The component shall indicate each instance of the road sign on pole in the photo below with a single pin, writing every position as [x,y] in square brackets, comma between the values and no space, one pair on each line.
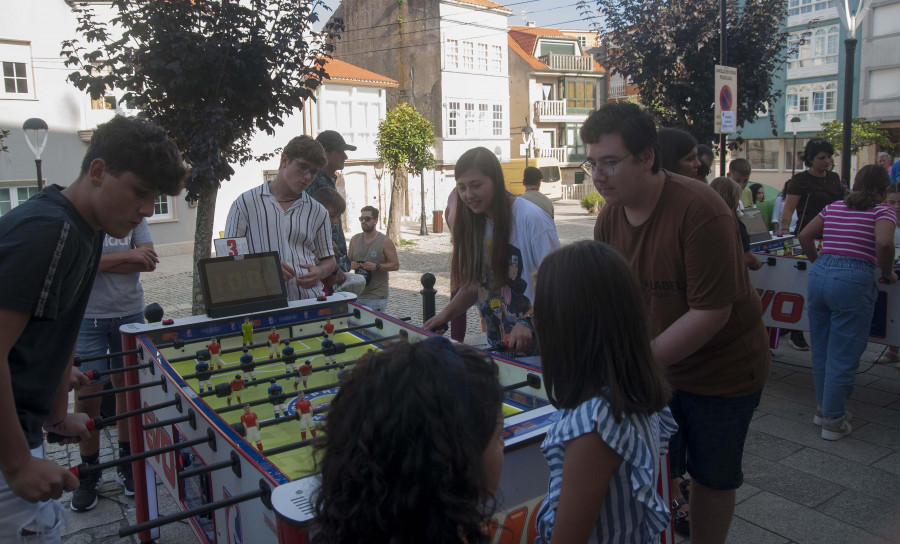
[726,99]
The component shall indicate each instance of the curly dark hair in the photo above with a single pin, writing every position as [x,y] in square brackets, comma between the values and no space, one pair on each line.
[403,454]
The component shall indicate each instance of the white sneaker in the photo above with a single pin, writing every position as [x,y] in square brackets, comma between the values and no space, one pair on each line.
[835,429]
[818,418]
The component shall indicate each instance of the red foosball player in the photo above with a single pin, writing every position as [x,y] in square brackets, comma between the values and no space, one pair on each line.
[290,360]
[203,375]
[327,329]
[247,331]
[248,367]
[276,398]
[273,342]
[237,385]
[304,414]
[251,426]
[215,353]
[305,371]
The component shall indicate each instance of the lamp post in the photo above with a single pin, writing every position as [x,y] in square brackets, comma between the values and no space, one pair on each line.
[527,133]
[36,136]
[423,229]
[794,122]
[850,21]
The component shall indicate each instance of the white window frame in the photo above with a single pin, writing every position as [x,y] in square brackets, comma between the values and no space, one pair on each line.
[474,119]
[884,20]
[168,214]
[452,54]
[13,192]
[497,125]
[16,56]
[468,56]
[470,122]
[812,101]
[481,58]
[454,114]
[497,59]
[816,52]
[801,7]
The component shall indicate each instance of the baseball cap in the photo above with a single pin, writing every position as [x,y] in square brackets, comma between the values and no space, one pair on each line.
[331,140]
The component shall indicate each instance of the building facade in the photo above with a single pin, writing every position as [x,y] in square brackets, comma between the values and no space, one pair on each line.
[34,85]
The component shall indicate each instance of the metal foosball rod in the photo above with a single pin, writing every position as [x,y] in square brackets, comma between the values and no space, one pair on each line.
[264,492]
[234,463]
[267,400]
[124,389]
[95,374]
[98,422]
[82,470]
[190,418]
[531,380]
[291,339]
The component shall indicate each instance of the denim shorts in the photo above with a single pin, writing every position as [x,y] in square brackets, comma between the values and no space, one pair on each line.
[709,443]
[99,337]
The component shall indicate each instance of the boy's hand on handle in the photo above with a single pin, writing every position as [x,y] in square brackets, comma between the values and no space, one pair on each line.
[889,279]
[436,324]
[311,278]
[519,338]
[40,480]
[73,428]
[78,379]
[287,272]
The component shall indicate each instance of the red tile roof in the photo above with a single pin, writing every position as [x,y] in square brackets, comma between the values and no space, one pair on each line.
[339,70]
[530,59]
[485,4]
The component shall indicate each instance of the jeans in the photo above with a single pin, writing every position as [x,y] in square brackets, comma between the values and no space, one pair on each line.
[99,337]
[841,295]
[378,303]
[27,522]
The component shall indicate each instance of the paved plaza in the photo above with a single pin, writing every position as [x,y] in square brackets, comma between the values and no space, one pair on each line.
[798,487]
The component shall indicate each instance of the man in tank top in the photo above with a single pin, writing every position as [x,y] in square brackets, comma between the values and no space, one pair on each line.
[373,255]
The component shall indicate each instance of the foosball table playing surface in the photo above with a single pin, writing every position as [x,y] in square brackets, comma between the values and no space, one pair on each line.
[231,489]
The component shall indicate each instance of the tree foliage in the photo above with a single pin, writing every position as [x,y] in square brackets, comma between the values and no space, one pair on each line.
[862,133]
[211,72]
[669,50]
[404,143]
[4,134]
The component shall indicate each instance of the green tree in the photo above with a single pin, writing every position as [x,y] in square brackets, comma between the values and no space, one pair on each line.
[669,50]
[862,133]
[4,134]
[404,144]
[211,73]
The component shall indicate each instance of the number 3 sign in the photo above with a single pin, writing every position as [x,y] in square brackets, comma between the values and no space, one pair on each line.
[227,247]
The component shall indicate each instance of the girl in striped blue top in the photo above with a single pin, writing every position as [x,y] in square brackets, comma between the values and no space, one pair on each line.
[603,452]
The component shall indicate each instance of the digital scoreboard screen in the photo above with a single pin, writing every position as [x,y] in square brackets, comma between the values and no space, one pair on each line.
[241,284]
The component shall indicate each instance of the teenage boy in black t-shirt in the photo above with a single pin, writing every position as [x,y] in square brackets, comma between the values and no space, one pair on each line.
[49,252]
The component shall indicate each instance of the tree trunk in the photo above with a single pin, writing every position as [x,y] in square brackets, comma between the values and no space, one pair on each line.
[206,211]
[398,180]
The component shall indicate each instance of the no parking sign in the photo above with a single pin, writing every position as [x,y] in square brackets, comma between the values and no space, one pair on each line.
[726,99]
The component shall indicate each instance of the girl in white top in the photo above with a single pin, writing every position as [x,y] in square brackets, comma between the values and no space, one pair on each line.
[598,367]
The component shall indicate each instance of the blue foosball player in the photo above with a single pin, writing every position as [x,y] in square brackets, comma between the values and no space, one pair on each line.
[248,367]
[276,398]
[203,375]
[328,350]
[290,360]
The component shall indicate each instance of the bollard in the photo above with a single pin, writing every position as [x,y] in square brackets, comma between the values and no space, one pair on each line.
[428,280]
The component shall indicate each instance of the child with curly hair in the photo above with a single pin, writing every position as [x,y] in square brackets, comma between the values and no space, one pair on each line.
[604,451]
[413,449]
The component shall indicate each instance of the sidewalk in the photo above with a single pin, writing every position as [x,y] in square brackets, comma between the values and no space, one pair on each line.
[798,487]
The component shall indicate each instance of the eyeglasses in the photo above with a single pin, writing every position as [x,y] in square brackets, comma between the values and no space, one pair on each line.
[606,168]
[364,218]
[305,170]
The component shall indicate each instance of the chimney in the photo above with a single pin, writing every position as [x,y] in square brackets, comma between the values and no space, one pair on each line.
[530,24]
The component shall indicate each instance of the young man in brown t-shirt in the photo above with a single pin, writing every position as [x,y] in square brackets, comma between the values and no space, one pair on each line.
[679,237]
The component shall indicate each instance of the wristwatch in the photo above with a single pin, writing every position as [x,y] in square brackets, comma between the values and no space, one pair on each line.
[377,266]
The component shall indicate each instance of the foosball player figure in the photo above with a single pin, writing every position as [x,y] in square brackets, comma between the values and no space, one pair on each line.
[328,351]
[305,371]
[237,385]
[215,353]
[273,342]
[203,375]
[287,354]
[328,329]
[247,365]
[304,414]
[247,331]
[251,426]
[276,398]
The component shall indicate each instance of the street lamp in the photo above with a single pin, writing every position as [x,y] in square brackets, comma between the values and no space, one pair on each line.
[36,136]
[527,133]
[794,122]
[850,21]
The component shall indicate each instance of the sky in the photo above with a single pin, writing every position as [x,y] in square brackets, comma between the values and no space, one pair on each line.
[550,13]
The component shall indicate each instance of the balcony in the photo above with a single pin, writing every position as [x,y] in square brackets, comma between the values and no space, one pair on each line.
[549,110]
[558,153]
[568,63]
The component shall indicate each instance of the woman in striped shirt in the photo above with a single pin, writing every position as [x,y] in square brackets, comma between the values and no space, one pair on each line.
[603,451]
[857,234]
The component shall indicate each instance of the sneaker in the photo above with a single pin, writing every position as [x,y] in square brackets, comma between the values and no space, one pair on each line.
[124,479]
[85,497]
[835,429]
[798,341]
[818,418]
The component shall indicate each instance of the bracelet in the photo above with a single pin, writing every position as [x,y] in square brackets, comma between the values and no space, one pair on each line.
[527,322]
